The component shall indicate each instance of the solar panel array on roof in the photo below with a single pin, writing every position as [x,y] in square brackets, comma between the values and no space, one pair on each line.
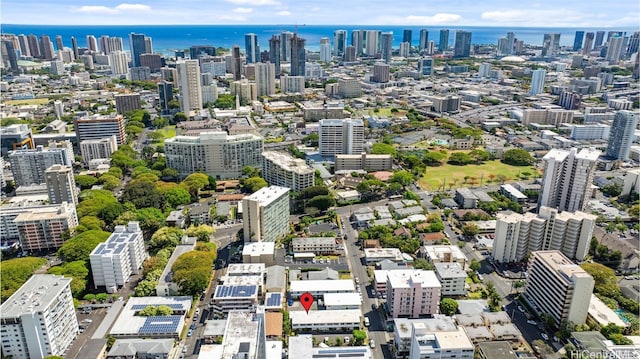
[274,300]
[236,291]
[142,306]
[161,324]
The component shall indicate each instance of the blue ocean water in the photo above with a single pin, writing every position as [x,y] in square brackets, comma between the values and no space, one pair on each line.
[167,38]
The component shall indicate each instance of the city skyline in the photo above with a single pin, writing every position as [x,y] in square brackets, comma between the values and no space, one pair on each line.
[543,13]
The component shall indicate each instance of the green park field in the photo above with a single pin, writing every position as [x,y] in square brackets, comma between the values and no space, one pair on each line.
[454,176]
[35,101]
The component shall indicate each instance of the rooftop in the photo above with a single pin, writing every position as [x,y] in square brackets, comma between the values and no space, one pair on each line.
[325,317]
[242,331]
[405,278]
[118,240]
[35,295]
[342,299]
[129,324]
[288,163]
[267,195]
[450,270]
[342,285]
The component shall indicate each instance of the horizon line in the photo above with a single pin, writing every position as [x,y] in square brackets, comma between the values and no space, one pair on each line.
[350,25]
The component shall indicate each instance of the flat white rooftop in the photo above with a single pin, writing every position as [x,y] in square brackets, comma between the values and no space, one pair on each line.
[342,299]
[404,278]
[342,285]
[325,317]
[34,296]
[267,195]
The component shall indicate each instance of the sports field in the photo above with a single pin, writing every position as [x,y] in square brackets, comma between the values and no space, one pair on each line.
[454,176]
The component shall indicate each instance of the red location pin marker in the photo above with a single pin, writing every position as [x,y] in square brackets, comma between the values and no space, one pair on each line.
[306,299]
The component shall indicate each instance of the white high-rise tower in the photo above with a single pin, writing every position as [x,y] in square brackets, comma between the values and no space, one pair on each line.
[189,84]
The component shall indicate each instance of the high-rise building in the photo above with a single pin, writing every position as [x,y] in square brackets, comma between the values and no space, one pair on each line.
[372,42]
[298,55]
[325,50]
[39,319]
[28,166]
[338,137]
[98,126]
[142,73]
[406,36]
[443,45]
[424,40]
[462,46]
[622,135]
[59,43]
[251,48]
[119,63]
[109,44]
[152,61]
[292,84]
[339,42]
[15,137]
[23,41]
[34,46]
[425,66]
[46,47]
[557,287]
[9,58]
[577,40]
[386,46]
[285,42]
[127,102]
[265,78]
[588,43]
[165,90]
[551,44]
[114,261]
[615,47]
[280,169]
[412,293]
[405,49]
[46,228]
[381,72]
[349,54]
[215,153]
[537,81]
[357,41]
[274,52]
[196,51]
[634,44]
[567,177]
[189,85]
[599,40]
[61,184]
[56,67]
[99,148]
[265,214]
[517,235]
[138,46]
[92,43]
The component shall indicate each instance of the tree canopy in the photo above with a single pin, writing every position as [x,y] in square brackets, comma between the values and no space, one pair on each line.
[165,237]
[15,272]
[80,246]
[253,184]
[192,271]
[517,157]
[448,306]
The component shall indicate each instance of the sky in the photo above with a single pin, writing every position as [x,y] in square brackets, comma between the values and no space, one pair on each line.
[541,13]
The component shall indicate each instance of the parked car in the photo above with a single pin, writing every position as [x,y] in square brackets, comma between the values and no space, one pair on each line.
[347,340]
[544,336]
[372,343]
[532,322]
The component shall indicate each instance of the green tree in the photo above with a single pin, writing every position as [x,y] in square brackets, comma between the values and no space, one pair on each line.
[421,263]
[470,230]
[192,271]
[402,177]
[434,158]
[225,101]
[177,196]
[90,297]
[474,265]
[459,158]
[313,191]
[359,336]
[322,203]
[605,279]
[165,237]
[479,156]
[517,157]
[448,306]
[202,232]
[88,223]
[85,182]
[151,219]
[383,149]
[109,182]
[148,311]
[102,297]
[164,310]
[78,272]
[194,183]
[253,184]
[142,194]
[79,247]
[15,272]
[110,212]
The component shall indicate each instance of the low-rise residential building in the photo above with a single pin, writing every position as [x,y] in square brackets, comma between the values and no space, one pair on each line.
[259,252]
[227,298]
[452,277]
[98,148]
[132,325]
[512,193]
[412,293]
[319,288]
[166,287]
[379,254]
[342,301]
[317,245]
[326,320]
[122,255]
[426,343]
[557,287]
[141,349]
[445,253]
[364,161]
[39,319]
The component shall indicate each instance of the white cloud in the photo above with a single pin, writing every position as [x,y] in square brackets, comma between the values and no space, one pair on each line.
[533,17]
[124,7]
[284,13]
[243,10]
[437,19]
[254,2]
